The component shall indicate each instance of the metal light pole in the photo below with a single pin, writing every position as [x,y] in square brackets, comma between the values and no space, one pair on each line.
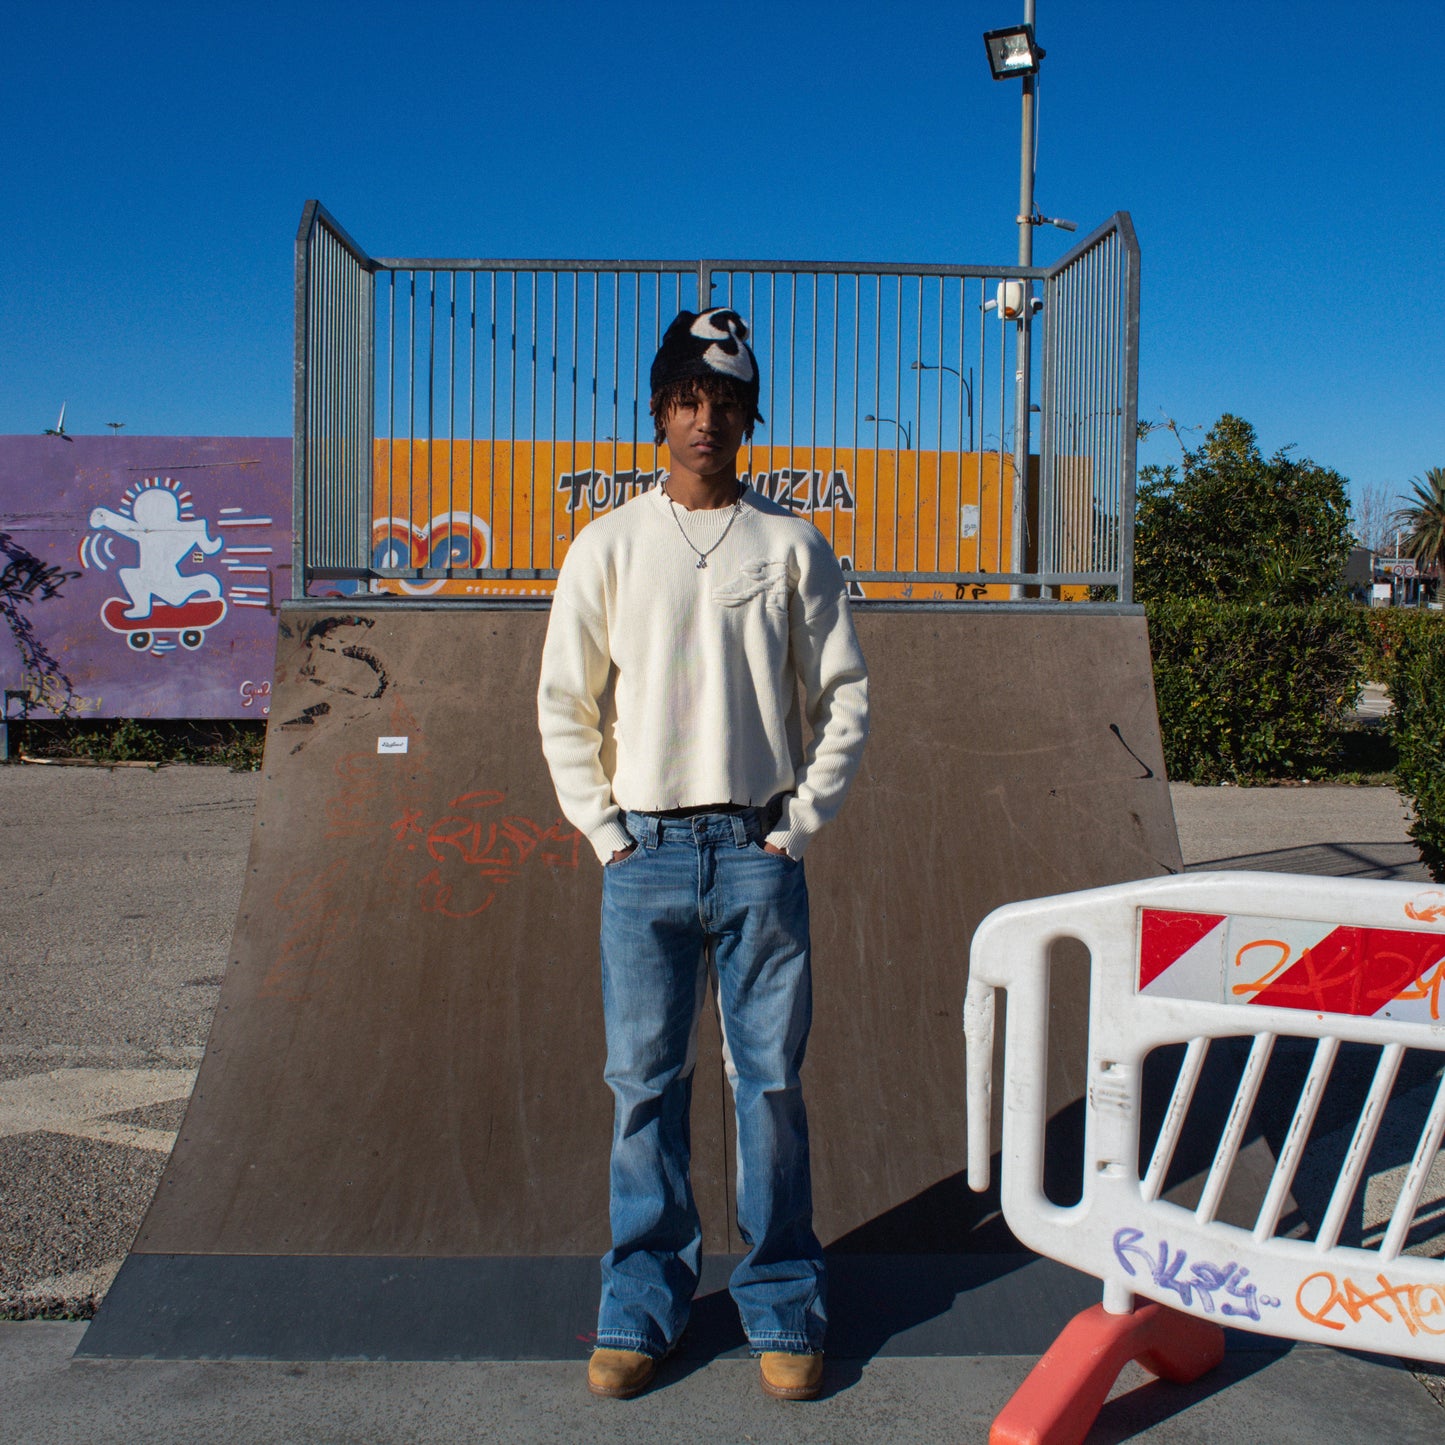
[1022,373]
[1013,52]
[966,382]
[903,428]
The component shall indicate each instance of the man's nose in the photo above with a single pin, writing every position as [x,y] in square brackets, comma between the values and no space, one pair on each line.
[706,414]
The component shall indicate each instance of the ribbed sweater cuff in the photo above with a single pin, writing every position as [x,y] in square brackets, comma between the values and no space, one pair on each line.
[792,841]
[609,838]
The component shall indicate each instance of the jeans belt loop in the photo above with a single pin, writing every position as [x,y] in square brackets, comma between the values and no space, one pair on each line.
[740,830]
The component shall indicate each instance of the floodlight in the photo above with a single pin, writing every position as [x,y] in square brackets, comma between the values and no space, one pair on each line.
[1012,51]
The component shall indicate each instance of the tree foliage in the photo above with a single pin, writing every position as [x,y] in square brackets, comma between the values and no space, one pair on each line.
[1373,512]
[1424,515]
[1235,525]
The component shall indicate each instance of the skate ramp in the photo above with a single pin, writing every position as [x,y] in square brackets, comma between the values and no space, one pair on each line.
[397,1144]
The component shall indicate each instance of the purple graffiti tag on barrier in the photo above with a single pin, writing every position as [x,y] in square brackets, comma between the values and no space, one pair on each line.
[1203,1279]
[166,555]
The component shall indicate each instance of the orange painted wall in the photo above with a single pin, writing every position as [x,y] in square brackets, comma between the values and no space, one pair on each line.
[519,504]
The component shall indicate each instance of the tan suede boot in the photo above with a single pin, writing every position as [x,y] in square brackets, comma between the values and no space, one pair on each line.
[619,1374]
[791,1377]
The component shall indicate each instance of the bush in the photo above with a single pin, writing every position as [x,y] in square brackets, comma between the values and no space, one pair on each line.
[1408,648]
[1388,629]
[1249,691]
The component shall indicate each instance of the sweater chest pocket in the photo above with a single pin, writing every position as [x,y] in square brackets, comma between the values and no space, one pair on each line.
[753,609]
[763,589]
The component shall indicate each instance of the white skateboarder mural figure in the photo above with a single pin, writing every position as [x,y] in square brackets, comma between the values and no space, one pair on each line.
[163,606]
[164,538]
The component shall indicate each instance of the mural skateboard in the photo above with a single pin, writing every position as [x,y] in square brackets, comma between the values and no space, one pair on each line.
[188,623]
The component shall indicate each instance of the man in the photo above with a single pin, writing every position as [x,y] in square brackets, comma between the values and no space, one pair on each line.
[682,627]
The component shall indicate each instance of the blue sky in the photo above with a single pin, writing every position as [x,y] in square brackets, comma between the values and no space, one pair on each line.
[1283,167]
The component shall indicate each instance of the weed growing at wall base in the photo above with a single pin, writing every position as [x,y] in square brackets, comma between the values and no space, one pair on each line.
[235,745]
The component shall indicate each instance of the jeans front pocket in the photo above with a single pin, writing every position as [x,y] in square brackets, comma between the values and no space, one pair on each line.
[622,862]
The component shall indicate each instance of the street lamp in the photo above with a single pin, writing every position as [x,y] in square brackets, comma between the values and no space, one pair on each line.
[902,426]
[1013,50]
[966,382]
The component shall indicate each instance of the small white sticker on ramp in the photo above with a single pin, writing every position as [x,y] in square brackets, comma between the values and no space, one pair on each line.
[391,745]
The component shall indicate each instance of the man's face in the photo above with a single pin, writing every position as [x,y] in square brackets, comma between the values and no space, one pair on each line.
[703,436]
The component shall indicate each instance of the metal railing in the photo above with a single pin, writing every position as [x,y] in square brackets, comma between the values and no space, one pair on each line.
[458,420]
[1090,410]
[333,438]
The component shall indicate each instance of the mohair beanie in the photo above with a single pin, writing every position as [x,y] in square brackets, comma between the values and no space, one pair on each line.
[708,343]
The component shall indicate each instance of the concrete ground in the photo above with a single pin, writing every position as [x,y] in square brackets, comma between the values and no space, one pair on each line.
[1300,1397]
[118,898]
[1338,832]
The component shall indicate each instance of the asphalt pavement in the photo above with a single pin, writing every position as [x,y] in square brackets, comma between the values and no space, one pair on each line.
[118,895]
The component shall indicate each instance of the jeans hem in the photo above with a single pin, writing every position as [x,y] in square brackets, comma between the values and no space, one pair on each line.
[783,1344]
[624,1340]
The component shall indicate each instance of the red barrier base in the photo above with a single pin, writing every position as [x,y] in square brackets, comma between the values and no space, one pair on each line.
[1065,1391]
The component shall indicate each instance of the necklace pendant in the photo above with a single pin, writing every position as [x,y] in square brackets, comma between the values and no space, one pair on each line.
[701,563]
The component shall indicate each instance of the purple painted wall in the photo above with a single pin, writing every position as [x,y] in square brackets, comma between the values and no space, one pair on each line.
[140,574]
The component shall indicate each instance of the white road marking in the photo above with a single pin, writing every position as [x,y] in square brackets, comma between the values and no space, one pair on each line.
[76,1102]
[160,1141]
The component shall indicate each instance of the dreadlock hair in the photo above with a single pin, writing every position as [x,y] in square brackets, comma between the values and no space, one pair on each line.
[715,386]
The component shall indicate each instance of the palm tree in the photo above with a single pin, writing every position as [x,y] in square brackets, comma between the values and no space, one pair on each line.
[1424,515]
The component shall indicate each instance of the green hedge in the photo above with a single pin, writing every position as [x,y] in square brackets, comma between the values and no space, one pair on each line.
[1248,691]
[1407,651]
[1388,629]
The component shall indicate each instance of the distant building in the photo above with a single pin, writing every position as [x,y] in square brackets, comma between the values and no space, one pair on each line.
[1360,572]
[1409,584]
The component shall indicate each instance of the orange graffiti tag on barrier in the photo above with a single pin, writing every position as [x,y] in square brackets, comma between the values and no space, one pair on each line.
[1285,953]
[1427,908]
[1350,971]
[1332,962]
[1428,987]
[1336,1303]
[1426,984]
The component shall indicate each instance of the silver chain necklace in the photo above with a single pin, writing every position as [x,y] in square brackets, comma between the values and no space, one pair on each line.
[703,556]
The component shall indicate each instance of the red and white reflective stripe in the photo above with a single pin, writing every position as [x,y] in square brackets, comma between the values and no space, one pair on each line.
[1392,973]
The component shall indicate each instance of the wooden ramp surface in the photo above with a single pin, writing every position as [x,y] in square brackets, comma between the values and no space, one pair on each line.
[406,1063]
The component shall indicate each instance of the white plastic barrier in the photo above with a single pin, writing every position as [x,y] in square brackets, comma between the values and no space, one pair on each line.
[1187,960]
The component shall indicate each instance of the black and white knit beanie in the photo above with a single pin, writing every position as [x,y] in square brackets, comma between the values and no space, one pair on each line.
[707,343]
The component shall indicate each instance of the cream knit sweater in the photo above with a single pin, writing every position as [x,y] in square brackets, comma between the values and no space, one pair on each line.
[666,685]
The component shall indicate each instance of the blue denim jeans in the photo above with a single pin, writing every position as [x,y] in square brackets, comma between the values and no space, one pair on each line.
[694,884]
